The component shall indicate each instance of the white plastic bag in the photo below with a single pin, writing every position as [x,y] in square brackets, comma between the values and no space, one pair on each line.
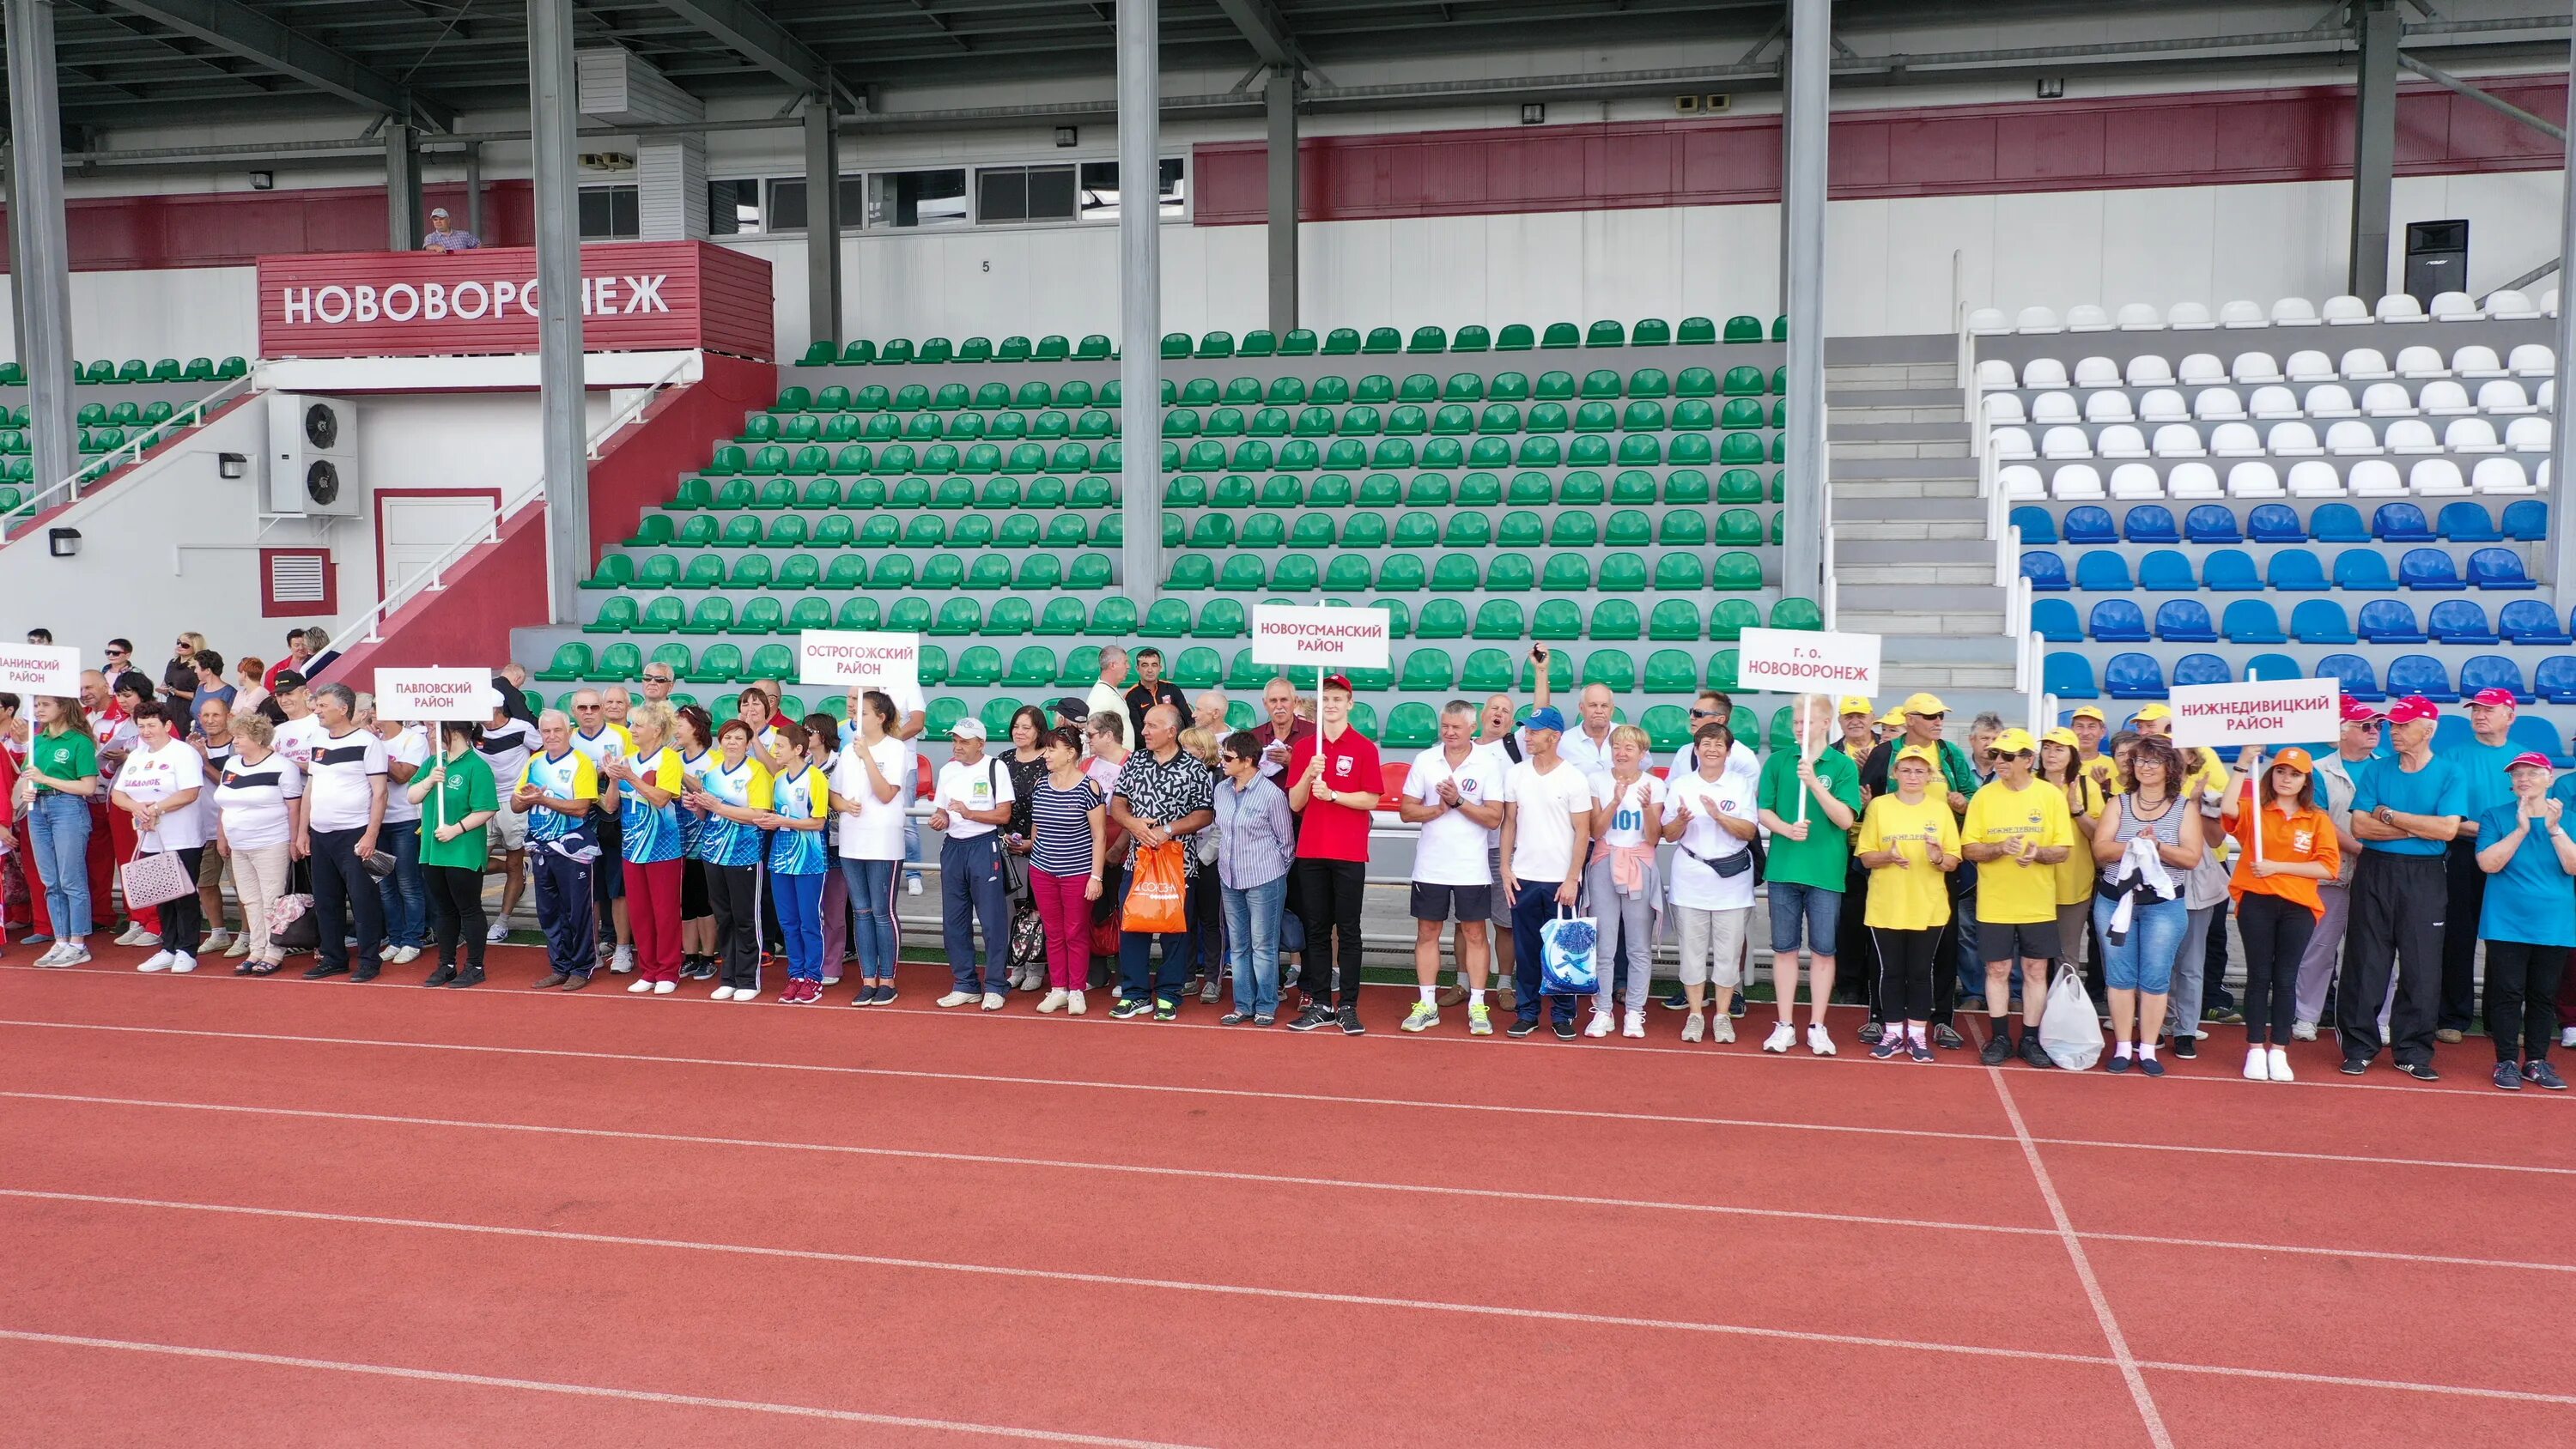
[2068,1030]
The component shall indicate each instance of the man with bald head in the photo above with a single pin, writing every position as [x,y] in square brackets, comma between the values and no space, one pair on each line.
[1587,745]
[1163,794]
[1208,712]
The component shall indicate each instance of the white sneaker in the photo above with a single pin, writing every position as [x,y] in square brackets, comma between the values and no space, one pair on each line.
[957,998]
[745,993]
[75,954]
[1691,1027]
[51,954]
[665,988]
[133,935]
[2278,1067]
[1073,1004]
[499,933]
[1819,1040]
[2567,1037]
[2303,1031]
[404,956]
[1721,1027]
[1599,1025]
[1054,1002]
[157,961]
[147,938]
[640,987]
[2258,1065]
[182,963]
[1783,1036]
[831,980]
[1634,1024]
[912,884]
[995,1001]
[622,960]
[215,941]
[721,993]
[239,946]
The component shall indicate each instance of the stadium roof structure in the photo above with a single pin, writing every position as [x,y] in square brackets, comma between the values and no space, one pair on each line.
[145,62]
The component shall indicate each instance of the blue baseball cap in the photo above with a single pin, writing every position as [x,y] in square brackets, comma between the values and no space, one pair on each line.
[1545,719]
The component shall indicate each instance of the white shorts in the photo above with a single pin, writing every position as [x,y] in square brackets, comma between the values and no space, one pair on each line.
[510,829]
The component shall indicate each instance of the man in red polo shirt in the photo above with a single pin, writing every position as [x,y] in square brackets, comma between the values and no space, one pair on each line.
[1335,783]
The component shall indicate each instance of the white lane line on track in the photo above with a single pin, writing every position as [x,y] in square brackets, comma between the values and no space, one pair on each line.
[590,1391]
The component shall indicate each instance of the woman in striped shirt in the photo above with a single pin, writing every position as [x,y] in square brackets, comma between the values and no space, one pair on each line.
[1069,823]
[728,797]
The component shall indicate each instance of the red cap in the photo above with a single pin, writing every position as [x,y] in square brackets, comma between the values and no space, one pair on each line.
[2493,698]
[2532,758]
[2412,708]
[2356,712]
[1341,682]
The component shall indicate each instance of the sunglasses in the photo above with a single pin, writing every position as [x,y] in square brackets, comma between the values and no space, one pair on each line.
[1703,714]
[587,708]
[657,679]
[115,653]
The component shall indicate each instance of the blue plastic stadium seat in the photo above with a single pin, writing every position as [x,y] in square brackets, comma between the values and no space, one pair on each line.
[2070,676]
[2230,571]
[2428,569]
[2321,621]
[2249,621]
[2296,570]
[2202,669]
[2119,621]
[2045,570]
[2459,621]
[2055,621]
[2275,523]
[2273,666]
[2337,523]
[2498,568]
[2363,569]
[2090,524]
[2530,621]
[2102,571]
[2184,621]
[2354,673]
[2166,571]
[2389,621]
[2526,520]
[2467,522]
[2530,733]
[2400,523]
[2150,523]
[2421,674]
[2211,523]
[2035,524]
[2133,676]
[2495,671]
[2555,679]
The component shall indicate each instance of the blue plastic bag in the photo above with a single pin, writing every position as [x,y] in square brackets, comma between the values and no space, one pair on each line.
[1568,948]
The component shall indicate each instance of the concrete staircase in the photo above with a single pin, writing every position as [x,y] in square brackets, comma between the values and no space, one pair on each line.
[1912,559]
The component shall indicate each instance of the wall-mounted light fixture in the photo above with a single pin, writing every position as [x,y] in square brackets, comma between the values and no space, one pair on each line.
[64,542]
[231,465]
[1068,135]
[263,180]
[1534,113]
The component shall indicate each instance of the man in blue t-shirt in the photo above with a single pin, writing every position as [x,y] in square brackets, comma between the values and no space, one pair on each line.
[2481,762]
[2405,811]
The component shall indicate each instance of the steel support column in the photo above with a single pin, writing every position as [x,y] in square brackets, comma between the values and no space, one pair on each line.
[41,280]
[402,187]
[2559,557]
[554,106]
[1806,502]
[2374,145]
[474,189]
[1282,99]
[1140,296]
[822,222]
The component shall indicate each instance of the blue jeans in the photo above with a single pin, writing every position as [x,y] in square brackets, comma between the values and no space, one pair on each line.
[2145,960]
[800,923]
[1252,945]
[58,825]
[871,884]
[1533,908]
[972,888]
[405,893]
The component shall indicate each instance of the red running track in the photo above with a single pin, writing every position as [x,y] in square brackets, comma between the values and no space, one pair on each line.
[272,1213]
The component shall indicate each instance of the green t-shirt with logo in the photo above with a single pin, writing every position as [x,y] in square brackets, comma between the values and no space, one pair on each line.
[1822,858]
[62,755]
[467,788]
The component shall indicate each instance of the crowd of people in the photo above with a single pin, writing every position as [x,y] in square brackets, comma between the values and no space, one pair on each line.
[1129,839]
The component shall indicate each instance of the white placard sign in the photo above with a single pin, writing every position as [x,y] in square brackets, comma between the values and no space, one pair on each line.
[1803,661]
[434,694]
[2267,712]
[33,669]
[1320,637]
[850,659]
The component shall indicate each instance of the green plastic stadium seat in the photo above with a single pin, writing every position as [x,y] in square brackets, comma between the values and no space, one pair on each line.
[1797,613]
[1441,619]
[617,615]
[1063,616]
[1382,340]
[572,664]
[1510,573]
[1402,573]
[1612,667]
[1572,573]
[1560,335]
[1221,619]
[1485,671]
[1736,571]
[1412,725]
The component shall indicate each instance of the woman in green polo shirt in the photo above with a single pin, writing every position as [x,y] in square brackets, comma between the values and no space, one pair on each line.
[457,799]
[56,786]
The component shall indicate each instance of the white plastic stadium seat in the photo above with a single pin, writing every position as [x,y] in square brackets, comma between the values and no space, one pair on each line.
[2329,400]
[2399,307]
[2549,305]
[2313,479]
[2456,307]
[2120,440]
[2293,312]
[2291,440]
[2003,407]
[2241,314]
[2444,399]
[2345,311]
[2365,364]
[2255,367]
[2309,366]
[2546,399]
[2193,480]
[2387,400]
[2349,440]
[2421,362]
[2235,440]
[2086,317]
[2150,370]
[2188,317]
[1988,322]
[2164,405]
[2043,372]
[2217,403]
[2410,435]
[2436,478]
[2273,402]
[2201,369]
[2054,407]
[2096,372]
[2500,475]
[2470,435]
[2532,359]
[2527,435]
[2254,480]
[2140,317]
[2511,306]
[2179,440]
[2010,443]
[2132,481]
[2108,407]
[2021,481]
[2375,478]
[2076,482]
[2036,319]
[2540,476]
[2065,443]
[1994,372]
[2476,361]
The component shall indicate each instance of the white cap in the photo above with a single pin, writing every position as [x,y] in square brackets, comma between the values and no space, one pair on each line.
[438,211]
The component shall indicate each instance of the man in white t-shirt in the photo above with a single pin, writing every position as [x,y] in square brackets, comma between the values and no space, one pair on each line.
[1506,745]
[405,893]
[344,799]
[1454,792]
[507,742]
[1109,691]
[969,803]
[1547,835]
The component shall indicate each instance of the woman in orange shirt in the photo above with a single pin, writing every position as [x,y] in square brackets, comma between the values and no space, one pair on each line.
[2275,888]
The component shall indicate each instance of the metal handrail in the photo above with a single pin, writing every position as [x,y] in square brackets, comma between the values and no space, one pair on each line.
[105,463]
[488,528]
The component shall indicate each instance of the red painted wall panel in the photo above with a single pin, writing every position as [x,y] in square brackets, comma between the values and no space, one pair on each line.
[681,428]
[2194,139]
[237,228]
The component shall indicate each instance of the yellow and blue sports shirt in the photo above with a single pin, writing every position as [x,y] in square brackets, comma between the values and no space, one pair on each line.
[805,795]
[651,833]
[568,776]
[730,842]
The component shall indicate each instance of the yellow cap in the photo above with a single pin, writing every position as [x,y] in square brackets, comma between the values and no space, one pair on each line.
[2014,742]
[1919,752]
[1854,704]
[1892,720]
[2153,711]
[2091,712]
[2062,736]
[1923,704]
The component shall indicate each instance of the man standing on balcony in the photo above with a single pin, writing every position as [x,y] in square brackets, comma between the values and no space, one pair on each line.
[445,238]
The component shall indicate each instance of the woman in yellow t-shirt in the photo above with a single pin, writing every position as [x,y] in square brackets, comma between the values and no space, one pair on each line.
[1909,843]
[2061,764]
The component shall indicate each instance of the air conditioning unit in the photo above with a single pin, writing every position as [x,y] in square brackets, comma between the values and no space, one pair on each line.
[312,455]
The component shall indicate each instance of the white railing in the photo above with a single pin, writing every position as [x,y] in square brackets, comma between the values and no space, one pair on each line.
[139,442]
[366,628]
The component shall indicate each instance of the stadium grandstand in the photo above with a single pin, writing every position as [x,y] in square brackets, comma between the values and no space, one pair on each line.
[2068,353]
